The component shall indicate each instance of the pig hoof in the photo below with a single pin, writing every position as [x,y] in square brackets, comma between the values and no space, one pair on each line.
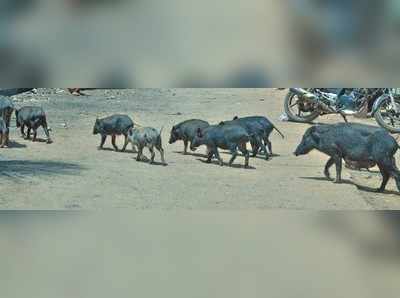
[49,141]
[337,181]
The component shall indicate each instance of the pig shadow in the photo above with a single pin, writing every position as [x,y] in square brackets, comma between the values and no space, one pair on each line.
[344,181]
[38,140]
[119,150]
[236,166]
[374,190]
[145,159]
[349,182]
[259,155]
[14,144]
[19,169]
[191,154]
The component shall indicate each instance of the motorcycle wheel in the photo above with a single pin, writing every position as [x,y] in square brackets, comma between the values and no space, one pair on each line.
[386,118]
[292,101]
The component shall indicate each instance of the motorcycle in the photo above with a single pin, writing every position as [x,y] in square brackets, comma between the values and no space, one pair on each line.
[382,103]
[314,102]
[386,109]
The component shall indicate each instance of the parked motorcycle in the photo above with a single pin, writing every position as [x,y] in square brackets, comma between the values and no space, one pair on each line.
[386,109]
[305,105]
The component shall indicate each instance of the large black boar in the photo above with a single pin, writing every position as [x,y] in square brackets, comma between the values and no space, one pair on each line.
[186,131]
[354,142]
[32,118]
[6,110]
[228,137]
[112,126]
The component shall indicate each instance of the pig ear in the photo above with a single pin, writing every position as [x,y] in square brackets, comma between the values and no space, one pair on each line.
[316,136]
[235,118]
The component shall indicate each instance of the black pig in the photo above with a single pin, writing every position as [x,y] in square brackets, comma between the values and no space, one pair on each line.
[355,142]
[228,137]
[112,126]
[32,118]
[186,131]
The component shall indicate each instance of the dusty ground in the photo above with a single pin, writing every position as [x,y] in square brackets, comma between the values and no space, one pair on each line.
[72,173]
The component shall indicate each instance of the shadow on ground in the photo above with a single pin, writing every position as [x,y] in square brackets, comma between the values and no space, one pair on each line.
[191,154]
[18,169]
[14,144]
[236,166]
[349,182]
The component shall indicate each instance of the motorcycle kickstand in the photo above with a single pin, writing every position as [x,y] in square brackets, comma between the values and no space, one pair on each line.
[344,116]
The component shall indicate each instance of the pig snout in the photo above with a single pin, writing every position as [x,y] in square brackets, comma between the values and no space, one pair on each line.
[299,150]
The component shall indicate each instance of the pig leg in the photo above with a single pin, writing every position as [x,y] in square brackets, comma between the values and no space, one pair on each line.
[246,154]
[255,147]
[126,143]
[140,153]
[388,168]
[328,165]
[269,145]
[113,138]
[103,140]
[385,177]
[23,131]
[2,139]
[394,171]
[28,134]
[210,154]
[338,163]
[47,133]
[161,150]
[153,154]
[263,148]
[34,135]
[185,144]
[234,153]
[216,153]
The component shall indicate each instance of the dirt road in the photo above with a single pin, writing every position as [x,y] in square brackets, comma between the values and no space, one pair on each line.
[71,173]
